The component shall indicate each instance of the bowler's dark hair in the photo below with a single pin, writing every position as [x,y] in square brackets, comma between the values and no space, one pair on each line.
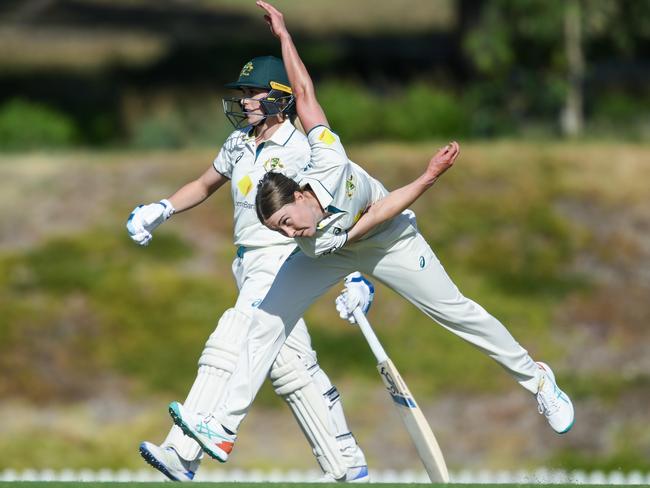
[274,191]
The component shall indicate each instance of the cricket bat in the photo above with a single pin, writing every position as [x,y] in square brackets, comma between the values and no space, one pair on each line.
[416,424]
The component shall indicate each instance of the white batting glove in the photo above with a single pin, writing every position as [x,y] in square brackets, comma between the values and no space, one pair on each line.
[358,292]
[145,218]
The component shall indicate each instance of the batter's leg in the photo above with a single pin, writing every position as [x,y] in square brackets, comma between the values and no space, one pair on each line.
[300,281]
[316,404]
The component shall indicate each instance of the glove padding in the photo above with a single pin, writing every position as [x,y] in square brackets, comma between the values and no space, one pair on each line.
[145,218]
[358,292]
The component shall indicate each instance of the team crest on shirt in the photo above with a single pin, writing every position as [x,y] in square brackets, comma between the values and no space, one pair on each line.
[350,187]
[272,164]
[246,70]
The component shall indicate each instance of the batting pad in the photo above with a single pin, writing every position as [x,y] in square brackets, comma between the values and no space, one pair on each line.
[292,380]
[216,365]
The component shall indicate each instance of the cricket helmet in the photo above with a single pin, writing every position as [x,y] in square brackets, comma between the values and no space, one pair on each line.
[264,73]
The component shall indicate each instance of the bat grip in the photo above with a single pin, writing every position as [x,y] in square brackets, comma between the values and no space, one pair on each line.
[370,336]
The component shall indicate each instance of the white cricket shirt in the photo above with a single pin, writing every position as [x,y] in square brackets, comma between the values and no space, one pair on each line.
[342,187]
[245,163]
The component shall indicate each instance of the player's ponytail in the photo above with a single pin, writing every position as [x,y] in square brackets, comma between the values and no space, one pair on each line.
[274,191]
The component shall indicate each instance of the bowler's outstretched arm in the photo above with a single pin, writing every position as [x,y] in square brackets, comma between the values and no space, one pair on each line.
[399,200]
[309,110]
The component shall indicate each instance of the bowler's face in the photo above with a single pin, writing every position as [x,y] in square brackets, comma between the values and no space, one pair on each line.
[294,219]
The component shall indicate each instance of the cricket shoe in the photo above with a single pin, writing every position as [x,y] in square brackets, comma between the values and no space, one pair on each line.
[168,462]
[216,441]
[357,474]
[553,403]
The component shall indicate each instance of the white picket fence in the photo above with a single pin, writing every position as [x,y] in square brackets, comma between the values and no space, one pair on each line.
[377,476]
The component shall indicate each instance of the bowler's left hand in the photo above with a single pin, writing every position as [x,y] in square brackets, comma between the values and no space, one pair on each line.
[442,160]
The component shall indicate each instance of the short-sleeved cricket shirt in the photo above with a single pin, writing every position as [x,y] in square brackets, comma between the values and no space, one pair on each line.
[245,163]
[343,189]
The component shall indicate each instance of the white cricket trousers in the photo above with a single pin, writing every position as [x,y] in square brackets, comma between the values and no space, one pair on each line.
[399,257]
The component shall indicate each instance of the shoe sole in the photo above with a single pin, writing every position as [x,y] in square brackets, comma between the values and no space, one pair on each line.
[363,477]
[154,463]
[569,427]
[187,430]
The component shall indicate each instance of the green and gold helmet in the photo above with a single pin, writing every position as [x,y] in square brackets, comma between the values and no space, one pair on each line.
[264,73]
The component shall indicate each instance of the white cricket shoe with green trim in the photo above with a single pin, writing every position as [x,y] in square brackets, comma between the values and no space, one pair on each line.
[204,429]
[553,403]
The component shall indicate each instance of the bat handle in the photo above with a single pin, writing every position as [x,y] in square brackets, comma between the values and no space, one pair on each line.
[370,336]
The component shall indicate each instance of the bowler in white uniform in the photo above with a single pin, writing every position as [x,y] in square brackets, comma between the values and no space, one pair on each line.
[344,220]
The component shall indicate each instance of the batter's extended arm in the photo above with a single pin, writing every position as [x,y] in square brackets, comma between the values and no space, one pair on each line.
[196,191]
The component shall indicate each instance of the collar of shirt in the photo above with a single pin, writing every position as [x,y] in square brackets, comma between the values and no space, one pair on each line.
[324,197]
[280,137]
[335,214]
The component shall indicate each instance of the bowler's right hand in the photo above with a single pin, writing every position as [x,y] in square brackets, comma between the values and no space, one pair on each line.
[145,218]
[273,18]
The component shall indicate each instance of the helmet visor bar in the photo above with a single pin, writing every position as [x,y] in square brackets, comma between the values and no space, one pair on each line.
[275,103]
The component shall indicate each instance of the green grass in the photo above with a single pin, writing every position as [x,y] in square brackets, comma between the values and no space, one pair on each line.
[57,484]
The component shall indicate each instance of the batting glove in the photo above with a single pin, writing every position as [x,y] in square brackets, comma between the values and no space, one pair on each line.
[358,292]
[145,218]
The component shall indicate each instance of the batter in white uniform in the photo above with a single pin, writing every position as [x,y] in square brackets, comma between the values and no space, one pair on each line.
[265,140]
[330,195]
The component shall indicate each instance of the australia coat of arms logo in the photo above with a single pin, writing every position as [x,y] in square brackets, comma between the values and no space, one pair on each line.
[273,164]
[246,70]
[350,186]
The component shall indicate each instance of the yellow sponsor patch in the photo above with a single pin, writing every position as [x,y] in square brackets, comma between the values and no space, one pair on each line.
[245,185]
[327,137]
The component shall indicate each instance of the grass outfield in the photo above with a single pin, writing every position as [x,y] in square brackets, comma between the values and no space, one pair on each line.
[56,484]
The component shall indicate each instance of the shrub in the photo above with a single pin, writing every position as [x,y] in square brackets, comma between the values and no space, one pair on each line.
[421,112]
[187,124]
[28,125]
[424,112]
[159,132]
[352,111]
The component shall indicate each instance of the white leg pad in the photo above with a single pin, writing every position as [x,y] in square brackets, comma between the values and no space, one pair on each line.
[352,454]
[292,376]
[216,364]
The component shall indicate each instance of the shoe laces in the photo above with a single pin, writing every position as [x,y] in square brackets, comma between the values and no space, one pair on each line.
[548,397]
[206,418]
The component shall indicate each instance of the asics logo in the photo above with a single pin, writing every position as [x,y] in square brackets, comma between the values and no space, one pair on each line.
[203,428]
[560,394]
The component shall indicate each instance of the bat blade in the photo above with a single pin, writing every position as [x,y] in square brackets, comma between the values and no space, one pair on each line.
[416,424]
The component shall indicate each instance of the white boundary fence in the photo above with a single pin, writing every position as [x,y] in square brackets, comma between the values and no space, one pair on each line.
[377,476]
